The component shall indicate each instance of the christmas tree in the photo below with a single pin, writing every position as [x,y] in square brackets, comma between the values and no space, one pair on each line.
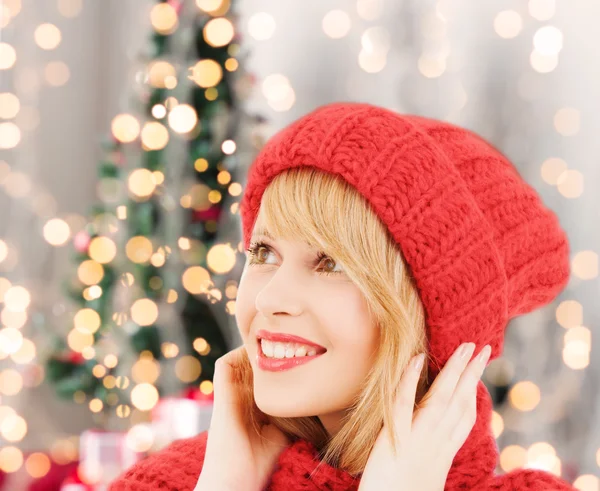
[149,314]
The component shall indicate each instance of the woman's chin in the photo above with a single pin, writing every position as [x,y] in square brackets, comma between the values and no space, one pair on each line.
[275,406]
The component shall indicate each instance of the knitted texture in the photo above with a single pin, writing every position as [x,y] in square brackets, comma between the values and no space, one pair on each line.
[477,238]
[178,466]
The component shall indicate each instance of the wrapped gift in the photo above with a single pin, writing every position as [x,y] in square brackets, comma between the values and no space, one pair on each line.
[104,455]
[185,416]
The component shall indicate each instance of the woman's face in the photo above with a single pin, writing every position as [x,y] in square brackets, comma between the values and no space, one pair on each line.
[288,291]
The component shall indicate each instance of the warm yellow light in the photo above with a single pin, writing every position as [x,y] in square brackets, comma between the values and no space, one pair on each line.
[235,189]
[221,258]
[13,319]
[10,136]
[47,36]
[96,405]
[206,73]
[56,232]
[188,368]
[8,56]
[214,7]
[13,428]
[9,105]
[336,24]
[87,320]
[92,293]
[183,118]
[154,136]
[125,128]
[140,438]
[497,424]
[525,396]
[145,370]
[111,361]
[57,73]
[11,382]
[144,396]
[508,24]
[584,265]
[201,346]
[163,18]
[11,459]
[261,26]
[548,40]
[169,350]
[90,272]
[570,184]
[122,382]
[139,249]
[141,183]
[172,296]
[3,255]
[37,465]
[567,121]
[552,169]
[26,353]
[513,457]
[158,72]
[228,147]
[144,312]
[196,280]
[78,340]
[123,411]
[218,32]
[569,313]
[17,299]
[11,339]
[99,371]
[102,249]
[69,8]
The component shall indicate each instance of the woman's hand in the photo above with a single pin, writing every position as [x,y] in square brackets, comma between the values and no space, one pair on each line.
[428,440]
[236,458]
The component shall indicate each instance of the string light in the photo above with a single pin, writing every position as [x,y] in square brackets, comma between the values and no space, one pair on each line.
[261,26]
[47,36]
[206,73]
[336,24]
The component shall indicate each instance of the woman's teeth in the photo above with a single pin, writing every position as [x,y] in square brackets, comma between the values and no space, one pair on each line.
[285,350]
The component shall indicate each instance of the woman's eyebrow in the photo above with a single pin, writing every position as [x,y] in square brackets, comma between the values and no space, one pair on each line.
[267,234]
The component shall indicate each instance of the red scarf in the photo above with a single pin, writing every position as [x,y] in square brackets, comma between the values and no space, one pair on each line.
[178,466]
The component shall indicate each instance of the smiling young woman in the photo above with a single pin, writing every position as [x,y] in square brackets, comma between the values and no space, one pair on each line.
[372,237]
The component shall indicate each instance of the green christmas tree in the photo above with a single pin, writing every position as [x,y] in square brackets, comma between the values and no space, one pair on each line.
[148,313]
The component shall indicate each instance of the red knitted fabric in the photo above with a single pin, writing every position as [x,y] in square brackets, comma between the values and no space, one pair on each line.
[481,246]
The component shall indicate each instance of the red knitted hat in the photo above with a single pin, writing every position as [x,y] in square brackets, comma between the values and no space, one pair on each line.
[480,244]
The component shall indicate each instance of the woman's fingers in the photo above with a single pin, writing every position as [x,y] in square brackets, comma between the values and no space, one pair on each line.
[462,411]
[443,386]
[405,398]
[226,395]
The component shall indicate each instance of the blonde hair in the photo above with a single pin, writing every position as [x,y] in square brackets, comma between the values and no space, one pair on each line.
[322,209]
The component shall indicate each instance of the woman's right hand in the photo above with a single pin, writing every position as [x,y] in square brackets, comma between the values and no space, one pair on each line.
[236,457]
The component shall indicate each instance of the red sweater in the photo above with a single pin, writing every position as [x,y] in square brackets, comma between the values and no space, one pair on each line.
[178,466]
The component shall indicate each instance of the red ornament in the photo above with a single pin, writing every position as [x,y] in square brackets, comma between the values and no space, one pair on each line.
[73,482]
[197,395]
[176,5]
[81,241]
[211,213]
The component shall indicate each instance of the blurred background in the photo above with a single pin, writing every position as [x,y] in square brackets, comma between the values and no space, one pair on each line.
[126,132]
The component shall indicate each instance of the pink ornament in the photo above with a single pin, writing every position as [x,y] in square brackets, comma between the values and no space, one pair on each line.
[81,241]
[176,5]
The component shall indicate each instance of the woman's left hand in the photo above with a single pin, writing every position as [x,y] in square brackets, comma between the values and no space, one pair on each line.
[428,440]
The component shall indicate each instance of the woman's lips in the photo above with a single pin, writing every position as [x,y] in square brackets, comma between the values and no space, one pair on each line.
[281,364]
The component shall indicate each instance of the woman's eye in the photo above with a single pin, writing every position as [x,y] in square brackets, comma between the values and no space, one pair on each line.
[259,253]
